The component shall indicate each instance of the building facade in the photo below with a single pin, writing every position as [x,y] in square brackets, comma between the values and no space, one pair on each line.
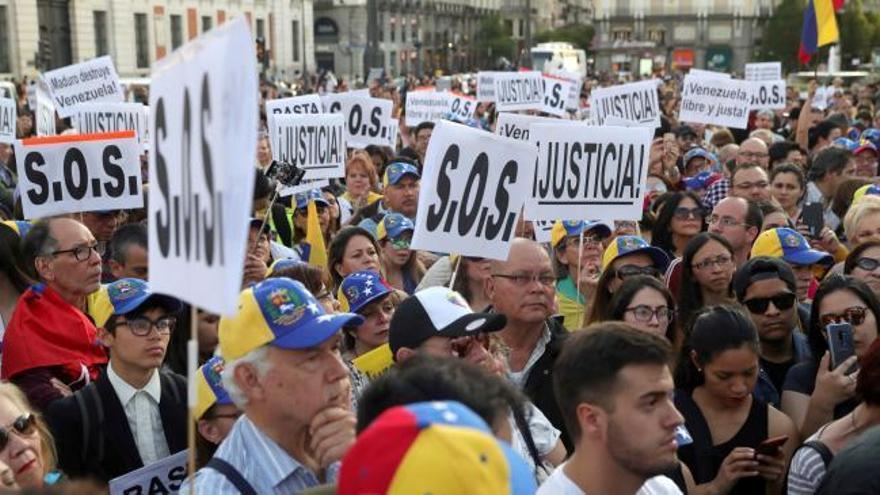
[638,35]
[37,35]
[413,36]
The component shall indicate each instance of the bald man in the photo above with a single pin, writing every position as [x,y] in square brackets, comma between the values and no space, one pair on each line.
[522,289]
[752,150]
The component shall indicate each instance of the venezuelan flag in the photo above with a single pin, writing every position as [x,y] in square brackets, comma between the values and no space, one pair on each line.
[820,27]
[317,253]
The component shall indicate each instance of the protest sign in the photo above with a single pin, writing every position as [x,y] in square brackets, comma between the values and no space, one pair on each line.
[614,120]
[473,187]
[573,99]
[163,476]
[375,74]
[519,91]
[393,127]
[556,91]
[366,119]
[764,71]
[425,106]
[724,102]
[79,172]
[486,86]
[7,120]
[822,97]
[768,94]
[443,83]
[45,113]
[543,229]
[460,108]
[582,170]
[296,105]
[32,94]
[634,102]
[204,140]
[314,143]
[516,126]
[90,118]
[92,81]
[306,185]
[709,74]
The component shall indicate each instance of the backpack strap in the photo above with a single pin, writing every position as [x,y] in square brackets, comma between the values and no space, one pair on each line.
[822,449]
[522,425]
[90,406]
[232,475]
[86,425]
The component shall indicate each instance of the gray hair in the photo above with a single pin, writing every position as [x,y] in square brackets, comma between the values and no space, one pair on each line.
[258,358]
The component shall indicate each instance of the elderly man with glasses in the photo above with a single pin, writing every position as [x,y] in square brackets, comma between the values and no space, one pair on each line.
[50,347]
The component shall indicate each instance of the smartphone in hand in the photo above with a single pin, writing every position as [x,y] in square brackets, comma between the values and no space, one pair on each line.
[771,446]
[813,217]
[841,345]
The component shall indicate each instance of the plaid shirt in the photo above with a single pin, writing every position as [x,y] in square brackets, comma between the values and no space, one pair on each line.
[716,192]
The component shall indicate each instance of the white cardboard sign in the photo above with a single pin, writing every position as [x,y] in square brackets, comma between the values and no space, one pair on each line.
[577,83]
[45,113]
[366,118]
[7,120]
[763,71]
[425,106]
[724,102]
[708,74]
[91,81]
[295,105]
[519,91]
[163,476]
[90,118]
[314,143]
[486,86]
[473,187]
[516,126]
[460,108]
[556,94]
[768,94]
[73,173]
[587,171]
[634,102]
[203,124]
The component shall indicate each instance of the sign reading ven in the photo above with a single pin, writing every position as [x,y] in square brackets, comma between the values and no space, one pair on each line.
[717,101]
[598,172]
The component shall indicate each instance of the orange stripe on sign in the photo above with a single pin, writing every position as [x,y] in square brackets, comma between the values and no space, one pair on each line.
[77,138]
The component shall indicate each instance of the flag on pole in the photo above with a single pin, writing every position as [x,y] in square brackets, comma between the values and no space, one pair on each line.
[820,27]
[317,254]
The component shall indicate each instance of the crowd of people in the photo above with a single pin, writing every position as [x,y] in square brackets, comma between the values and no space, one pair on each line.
[725,343]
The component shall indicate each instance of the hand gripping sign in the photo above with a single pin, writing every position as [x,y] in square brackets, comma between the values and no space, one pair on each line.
[589,172]
[314,143]
[203,123]
[73,173]
[473,187]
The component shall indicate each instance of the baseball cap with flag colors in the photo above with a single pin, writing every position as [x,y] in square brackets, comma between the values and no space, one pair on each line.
[209,386]
[566,228]
[624,245]
[867,189]
[280,312]
[435,448]
[361,288]
[393,225]
[124,296]
[397,170]
[789,245]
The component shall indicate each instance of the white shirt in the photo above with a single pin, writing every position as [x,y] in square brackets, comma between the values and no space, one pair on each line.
[560,484]
[142,410]
[519,378]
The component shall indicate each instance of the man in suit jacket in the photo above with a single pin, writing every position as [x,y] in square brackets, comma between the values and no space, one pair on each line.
[134,414]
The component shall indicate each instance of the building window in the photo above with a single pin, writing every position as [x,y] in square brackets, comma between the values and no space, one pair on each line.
[207,23]
[657,35]
[5,65]
[261,28]
[176,31]
[100,19]
[392,62]
[295,29]
[403,30]
[393,30]
[414,26]
[522,28]
[141,41]
[621,35]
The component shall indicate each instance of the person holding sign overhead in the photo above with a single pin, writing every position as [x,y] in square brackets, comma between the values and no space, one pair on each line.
[578,251]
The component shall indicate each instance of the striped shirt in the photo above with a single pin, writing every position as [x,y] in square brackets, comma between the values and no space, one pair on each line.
[806,471]
[262,462]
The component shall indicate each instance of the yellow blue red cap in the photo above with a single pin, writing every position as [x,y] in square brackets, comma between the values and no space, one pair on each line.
[210,387]
[398,170]
[624,245]
[393,225]
[361,288]
[789,245]
[566,228]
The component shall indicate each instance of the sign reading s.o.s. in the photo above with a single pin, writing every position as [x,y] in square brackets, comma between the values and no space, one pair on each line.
[72,173]
[473,187]
[768,94]
[366,118]
[556,93]
[203,127]
[582,170]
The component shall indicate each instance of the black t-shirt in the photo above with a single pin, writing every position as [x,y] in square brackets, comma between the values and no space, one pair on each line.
[777,371]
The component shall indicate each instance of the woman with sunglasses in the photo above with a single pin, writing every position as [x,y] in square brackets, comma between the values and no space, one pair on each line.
[646,304]
[863,263]
[679,219]
[26,446]
[707,270]
[400,264]
[815,394]
[717,372]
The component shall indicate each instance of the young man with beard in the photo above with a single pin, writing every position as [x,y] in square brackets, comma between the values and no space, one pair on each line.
[615,393]
[766,287]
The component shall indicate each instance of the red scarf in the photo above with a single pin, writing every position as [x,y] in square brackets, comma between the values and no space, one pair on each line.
[45,330]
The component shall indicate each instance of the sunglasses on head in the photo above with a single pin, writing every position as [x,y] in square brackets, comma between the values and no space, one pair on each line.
[24,425]
[854,316]
[759,305]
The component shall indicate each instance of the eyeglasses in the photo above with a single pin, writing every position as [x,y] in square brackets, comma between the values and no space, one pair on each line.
[80,253]
[759,305]
[141,325]
[725,221]
[589,240]
[24,425]
[644,313]
[683,213]
[523,279]
[719,261]
[854,316]
[752,185]
[627,271]
[753,154]
[399,243]
[868,264]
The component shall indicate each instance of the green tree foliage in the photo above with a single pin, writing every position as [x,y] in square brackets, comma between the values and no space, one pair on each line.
[579,35]
[856,32]
[493,40]
[782,35]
